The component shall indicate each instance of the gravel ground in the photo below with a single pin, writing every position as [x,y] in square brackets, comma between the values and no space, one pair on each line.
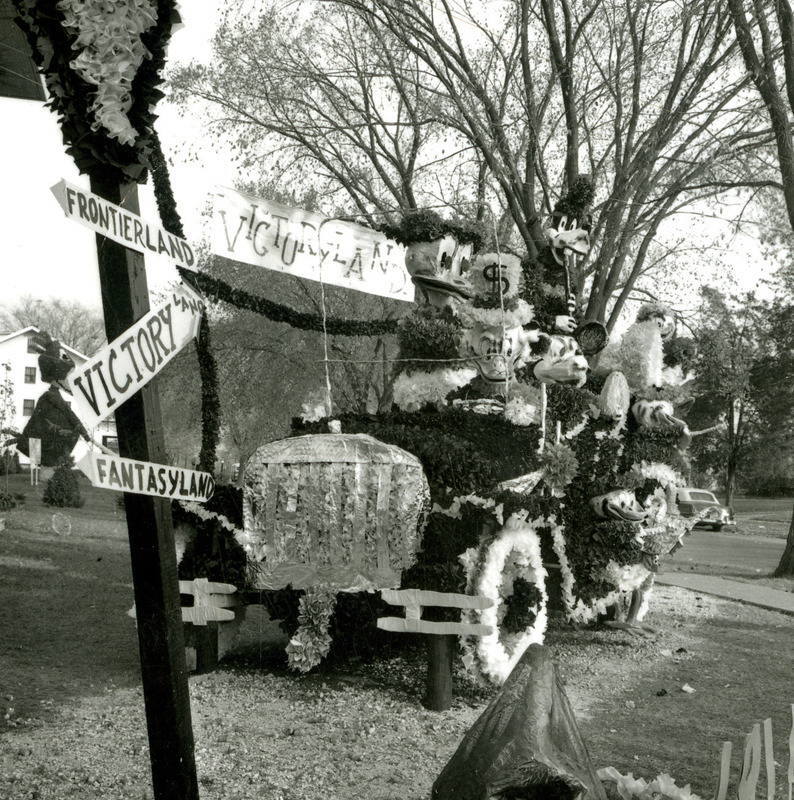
[363,733]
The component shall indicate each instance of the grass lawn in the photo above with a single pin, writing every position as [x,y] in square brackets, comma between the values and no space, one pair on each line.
[70,699]
[763,516]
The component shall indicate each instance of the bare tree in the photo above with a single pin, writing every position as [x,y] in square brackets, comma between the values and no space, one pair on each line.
[765,33]
[389,105]
[70,322]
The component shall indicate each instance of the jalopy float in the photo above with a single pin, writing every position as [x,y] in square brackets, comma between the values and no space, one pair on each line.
[524,454]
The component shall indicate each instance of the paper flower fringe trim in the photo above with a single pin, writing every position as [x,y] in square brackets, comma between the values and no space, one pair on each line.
[108,37]
[515,553]
[312,641]
[628,787]
[625,578]
[414,390]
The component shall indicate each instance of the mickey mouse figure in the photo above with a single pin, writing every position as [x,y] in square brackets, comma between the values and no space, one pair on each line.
[52,420]
[550,278]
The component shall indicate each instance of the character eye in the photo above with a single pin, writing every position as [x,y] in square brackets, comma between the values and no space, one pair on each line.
[487,345]
[573,224]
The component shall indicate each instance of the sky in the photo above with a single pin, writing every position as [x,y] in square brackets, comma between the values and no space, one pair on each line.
[46,255]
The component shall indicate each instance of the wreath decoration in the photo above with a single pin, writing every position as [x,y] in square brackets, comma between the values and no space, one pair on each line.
[509,567]
[312,640]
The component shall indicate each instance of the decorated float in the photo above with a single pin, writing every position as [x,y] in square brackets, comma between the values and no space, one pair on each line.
[521,445]
[551,455]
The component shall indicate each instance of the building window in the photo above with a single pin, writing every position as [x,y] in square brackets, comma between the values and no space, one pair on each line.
[30,374]
[27,407]
[32,346]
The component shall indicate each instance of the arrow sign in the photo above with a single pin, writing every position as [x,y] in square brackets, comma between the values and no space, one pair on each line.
[122,226]
[131,361]
[107,471]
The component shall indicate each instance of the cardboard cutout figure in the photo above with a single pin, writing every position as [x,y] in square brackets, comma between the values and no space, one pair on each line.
[52,421]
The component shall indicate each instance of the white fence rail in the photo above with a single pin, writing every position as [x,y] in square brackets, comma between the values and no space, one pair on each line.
[759,739]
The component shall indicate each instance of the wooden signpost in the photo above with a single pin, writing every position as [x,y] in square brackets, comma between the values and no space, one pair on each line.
[121,224]
[125,301]
[212,602]
[107,471]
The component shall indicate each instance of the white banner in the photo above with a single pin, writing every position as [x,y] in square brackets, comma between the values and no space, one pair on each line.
[141,477]
[120,225]
[303,243]
[128,363]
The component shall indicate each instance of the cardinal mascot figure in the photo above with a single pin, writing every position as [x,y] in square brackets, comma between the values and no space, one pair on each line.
[52,420]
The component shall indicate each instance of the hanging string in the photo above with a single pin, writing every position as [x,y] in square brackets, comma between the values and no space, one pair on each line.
[326,361]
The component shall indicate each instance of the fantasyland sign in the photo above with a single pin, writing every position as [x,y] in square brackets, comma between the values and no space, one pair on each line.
[107,471]
[270,235]
[120,225]
[128,363]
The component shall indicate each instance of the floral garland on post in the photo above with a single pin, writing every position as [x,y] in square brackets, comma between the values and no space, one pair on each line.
[312,641]
[493,571]
[101,61]
[208,371]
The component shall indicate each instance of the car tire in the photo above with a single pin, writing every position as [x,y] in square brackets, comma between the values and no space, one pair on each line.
[716,527]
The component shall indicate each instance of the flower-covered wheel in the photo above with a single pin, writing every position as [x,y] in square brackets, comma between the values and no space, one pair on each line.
[509,570]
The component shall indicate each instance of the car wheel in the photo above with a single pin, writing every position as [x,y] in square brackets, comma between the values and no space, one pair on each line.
[716,527]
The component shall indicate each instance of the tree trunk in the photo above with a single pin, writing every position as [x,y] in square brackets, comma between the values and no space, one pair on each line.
[730,481]
[786,566]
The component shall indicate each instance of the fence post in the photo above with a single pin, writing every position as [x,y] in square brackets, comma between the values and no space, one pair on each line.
[751,765]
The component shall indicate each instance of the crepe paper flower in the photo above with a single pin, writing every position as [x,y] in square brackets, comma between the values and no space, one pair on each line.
[560,466]
[520,412]
[313,409]
[107,34]
[626,578]
[628,787]
[414,390]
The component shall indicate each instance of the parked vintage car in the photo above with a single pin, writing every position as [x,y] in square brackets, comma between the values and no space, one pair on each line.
[692,501]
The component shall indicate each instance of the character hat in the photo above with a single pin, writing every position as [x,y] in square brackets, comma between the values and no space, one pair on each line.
[575,205]
[54,363]
[659,313]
